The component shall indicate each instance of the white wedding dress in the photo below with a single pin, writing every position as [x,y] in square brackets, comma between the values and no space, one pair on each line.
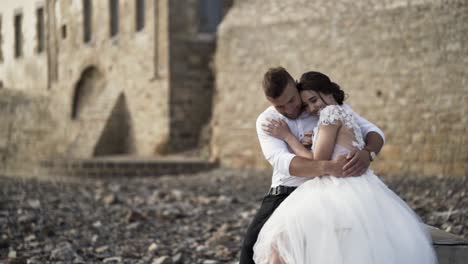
[354,220]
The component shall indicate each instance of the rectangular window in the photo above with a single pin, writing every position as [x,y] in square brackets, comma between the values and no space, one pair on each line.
[114,17]
[87,20]
[40,29]
[18,24]
[64,31]
[139,14]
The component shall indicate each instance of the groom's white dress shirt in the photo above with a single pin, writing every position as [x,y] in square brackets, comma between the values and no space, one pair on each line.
[278,153]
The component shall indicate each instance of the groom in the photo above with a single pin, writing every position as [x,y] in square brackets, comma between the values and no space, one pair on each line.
[289,170]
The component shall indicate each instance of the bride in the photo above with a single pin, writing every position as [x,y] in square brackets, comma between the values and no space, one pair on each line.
[355,220]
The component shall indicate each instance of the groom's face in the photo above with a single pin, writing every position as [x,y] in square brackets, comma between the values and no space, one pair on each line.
[288,103]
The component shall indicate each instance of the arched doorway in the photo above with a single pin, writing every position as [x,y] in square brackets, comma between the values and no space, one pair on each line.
[103,125]
[86,89]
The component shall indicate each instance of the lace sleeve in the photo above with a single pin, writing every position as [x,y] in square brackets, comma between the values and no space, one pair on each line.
[332,114]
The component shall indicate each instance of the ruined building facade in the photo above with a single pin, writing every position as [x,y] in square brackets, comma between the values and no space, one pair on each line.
[85,78]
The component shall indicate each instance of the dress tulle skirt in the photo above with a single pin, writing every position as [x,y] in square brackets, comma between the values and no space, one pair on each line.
[356,220]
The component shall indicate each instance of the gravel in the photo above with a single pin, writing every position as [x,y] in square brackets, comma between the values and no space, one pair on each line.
[198,218]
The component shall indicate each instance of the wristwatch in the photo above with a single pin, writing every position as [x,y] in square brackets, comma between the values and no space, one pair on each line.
[372,155]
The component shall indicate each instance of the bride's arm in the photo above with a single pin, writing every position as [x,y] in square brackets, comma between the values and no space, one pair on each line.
[326,140]
[280,129]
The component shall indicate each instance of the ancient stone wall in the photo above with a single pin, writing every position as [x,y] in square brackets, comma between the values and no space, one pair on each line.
[403,64]
[105,89]
[27,133]
[192,80]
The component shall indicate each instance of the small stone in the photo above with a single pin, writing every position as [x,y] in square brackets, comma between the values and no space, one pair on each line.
[97,224]
[34,260]
[110,199]
[34,244]
[115,187]
[153,247]
[112,259]
[210,261]
[101,249]
[94,238]
[220,236]
[78,260]
[177,259]
[223,252]
[132,226]
[201,248]
[34,203]
[210,212]
[30,238]
[63,252]
[177,194]
[72,232]
[12,254]
[162,260]
[224,199]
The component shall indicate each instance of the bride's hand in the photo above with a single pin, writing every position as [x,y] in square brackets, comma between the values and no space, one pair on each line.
[277,128]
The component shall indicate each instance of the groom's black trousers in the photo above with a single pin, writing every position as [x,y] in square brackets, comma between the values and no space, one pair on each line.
[269,204]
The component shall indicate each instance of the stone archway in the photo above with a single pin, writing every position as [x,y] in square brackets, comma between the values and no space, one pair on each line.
[102,117]
[86,89]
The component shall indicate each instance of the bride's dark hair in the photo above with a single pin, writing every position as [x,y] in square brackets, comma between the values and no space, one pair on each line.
[319,82]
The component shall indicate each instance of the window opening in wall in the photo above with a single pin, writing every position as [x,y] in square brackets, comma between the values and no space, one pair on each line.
[210,15]
[114,17]
[64,31]
[87,21]
[139,14]
[18,24]
[40,29]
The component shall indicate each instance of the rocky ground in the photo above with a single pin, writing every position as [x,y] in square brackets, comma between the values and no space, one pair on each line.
[197,218]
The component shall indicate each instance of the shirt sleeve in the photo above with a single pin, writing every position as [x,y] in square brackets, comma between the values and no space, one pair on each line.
[366,126]
[275,150]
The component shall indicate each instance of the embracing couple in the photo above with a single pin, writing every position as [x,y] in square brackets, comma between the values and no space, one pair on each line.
[324,204]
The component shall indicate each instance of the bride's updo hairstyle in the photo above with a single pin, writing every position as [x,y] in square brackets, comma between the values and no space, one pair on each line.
[319,82]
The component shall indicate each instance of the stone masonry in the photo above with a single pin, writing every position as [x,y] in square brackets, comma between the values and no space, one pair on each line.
[91,81]
[99,86]
[192,78]
[403,64]
[128,77]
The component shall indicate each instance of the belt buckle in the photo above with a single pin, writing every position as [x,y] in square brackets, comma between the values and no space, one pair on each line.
[277,190]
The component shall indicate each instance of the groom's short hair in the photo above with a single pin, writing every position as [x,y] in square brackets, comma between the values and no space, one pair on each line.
[275,81]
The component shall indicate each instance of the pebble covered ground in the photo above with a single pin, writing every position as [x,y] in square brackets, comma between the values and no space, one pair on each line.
[199,218]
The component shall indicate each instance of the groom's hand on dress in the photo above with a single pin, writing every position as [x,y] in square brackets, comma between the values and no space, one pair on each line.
[358,162]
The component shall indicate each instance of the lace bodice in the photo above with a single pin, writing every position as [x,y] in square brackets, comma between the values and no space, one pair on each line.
[349,136]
